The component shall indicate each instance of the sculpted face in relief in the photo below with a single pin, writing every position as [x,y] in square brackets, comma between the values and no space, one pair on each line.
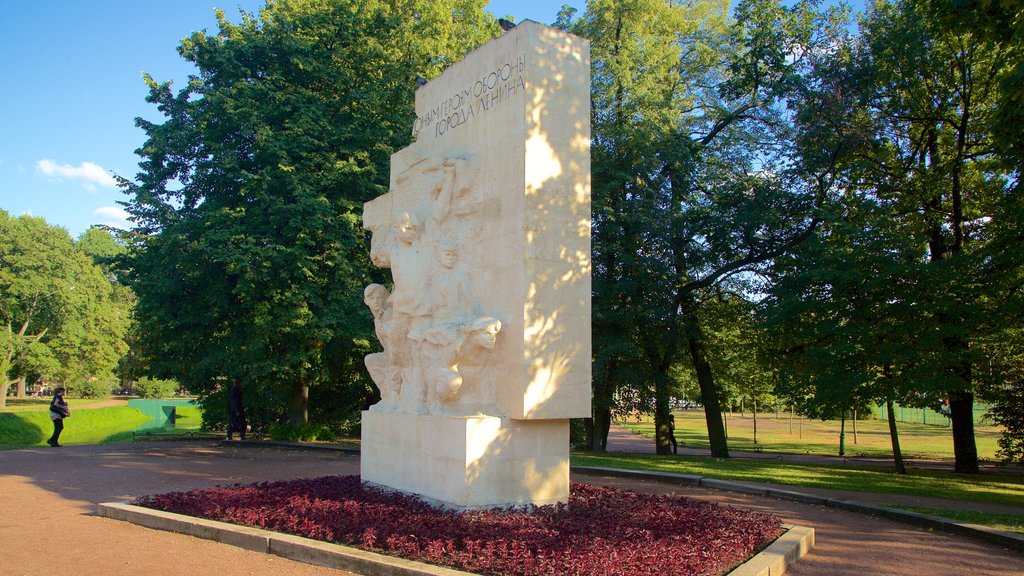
[431,325]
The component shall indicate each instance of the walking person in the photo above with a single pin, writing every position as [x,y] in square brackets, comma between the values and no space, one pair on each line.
[236,411]
[58,412]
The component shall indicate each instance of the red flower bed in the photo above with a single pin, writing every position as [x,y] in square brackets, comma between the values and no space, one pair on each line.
[601,530]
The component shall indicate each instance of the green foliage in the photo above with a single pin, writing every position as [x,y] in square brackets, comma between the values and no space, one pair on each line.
[1002,383]
[694,180]
[63,319]
[100,245]
[308,432]
[1002,22]
[253,267]
[911,268]
[99,387]
[155,388]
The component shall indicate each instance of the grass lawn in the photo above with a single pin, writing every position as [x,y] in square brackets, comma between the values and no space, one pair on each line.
[803,436]
[996,488]
[22,428]
[26,422]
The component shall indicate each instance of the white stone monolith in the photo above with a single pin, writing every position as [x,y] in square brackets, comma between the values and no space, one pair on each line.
[486,229]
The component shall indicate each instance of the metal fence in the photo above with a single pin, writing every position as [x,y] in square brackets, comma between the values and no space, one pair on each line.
[930,415]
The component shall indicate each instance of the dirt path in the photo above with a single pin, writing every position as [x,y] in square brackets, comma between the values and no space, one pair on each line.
[48,498]
[104,403]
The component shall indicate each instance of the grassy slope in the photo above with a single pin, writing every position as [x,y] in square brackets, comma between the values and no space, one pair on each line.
[87,426]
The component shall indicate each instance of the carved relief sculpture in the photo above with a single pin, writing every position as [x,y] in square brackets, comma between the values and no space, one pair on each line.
[432,316]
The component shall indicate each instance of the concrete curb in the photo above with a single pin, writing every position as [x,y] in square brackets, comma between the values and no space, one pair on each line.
[796,542]
[993,536]
[793,545]
[288,446]
[284,545]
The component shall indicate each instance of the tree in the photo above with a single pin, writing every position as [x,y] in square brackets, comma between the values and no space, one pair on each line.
[247,254]
[1000,22]
[900,285]
[61,319]
[693,190]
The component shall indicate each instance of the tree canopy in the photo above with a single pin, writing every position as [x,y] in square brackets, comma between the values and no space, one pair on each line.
[64,319]
[695,190]
[247,253]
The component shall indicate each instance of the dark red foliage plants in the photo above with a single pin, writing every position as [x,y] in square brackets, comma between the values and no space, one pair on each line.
[601,530]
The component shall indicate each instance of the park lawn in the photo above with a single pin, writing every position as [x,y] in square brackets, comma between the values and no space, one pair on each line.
[805,436]
[188,418]
[996,488]
[1006,522]
[22,428]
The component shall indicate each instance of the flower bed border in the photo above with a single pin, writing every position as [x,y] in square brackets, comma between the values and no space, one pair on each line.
[772,561]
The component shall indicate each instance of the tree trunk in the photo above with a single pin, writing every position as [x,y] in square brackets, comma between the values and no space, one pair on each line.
[842,435]
[299,410]
[965,451]
[3,391]
[755,421]
[708,390]
[601,408]
[661,411]
[21,388]
[601,423]
[897,454]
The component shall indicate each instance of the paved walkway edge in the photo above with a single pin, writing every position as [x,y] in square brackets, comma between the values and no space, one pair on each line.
[772,561]
[1007,539]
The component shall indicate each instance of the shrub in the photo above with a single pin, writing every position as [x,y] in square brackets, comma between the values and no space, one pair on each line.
[308,432]
[152,388]
[100,387]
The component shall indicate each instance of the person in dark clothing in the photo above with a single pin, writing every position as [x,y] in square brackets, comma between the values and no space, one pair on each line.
[236,411]
[672,432]
[58,412]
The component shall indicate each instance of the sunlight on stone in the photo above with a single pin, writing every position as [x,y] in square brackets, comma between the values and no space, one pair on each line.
[484,330]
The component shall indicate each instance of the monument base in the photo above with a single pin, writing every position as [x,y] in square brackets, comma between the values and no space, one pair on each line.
[467,461]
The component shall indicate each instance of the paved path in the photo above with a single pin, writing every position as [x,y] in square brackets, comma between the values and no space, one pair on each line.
[48,500]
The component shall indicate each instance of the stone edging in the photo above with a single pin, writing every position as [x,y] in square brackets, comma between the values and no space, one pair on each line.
[1002,538]
[772,561]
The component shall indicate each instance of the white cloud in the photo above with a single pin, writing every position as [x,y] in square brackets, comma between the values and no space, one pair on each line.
[112,216]
[89,174]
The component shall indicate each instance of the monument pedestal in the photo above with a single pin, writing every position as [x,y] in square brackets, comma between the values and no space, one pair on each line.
[467,461]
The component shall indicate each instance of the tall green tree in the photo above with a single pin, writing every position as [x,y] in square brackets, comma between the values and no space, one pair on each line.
[693,188]
[247,254]
[61,316]
[901,282]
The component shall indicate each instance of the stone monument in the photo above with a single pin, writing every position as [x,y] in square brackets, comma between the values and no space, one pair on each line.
[486,229]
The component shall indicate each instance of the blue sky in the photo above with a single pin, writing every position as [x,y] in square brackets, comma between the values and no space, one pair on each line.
[71,87]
